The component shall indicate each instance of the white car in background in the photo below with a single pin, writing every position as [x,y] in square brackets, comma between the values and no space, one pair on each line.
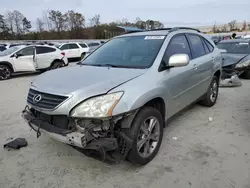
[30,59]
[74,50]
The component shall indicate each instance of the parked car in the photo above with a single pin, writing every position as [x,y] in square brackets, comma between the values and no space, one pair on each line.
[2,48]
[236,57]
[74,51]
[30,59]
[216,39]
[118,100]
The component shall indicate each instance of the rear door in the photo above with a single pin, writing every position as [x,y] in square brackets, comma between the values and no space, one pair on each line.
[44,56]
[178,81]
[202,64]
[68,52]
[25,60]
[75,50]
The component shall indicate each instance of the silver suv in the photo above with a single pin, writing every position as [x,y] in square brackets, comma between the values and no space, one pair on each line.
[118,99]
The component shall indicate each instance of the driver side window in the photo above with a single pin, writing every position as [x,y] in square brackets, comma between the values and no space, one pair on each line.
[26,51]
[178,45]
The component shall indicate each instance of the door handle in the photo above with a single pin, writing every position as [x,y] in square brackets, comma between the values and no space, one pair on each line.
[195,67]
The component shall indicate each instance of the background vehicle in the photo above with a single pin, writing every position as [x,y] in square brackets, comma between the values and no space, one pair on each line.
[216,39]
[236,57]
[2,48]
[119,99]
[74,51]
[30,59]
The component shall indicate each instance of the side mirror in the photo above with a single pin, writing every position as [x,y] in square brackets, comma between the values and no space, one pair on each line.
[16,56]
[222,50]
[178,60]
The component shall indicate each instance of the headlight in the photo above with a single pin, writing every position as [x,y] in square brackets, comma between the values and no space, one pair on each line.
[101,106]
[244,64]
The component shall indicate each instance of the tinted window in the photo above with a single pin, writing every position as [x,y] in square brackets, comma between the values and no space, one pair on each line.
[83,45]
[178,45]
[129,52]
[206,47]
[197,46]
[2,48]
[209,45]
[235,47]
[64,47]
[26,51]
[73,46]
[93,44]
[43,50]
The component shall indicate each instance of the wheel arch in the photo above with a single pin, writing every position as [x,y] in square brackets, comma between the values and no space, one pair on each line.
[7,64]
[56,60]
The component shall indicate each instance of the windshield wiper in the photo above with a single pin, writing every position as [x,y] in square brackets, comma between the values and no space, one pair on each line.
[101,65]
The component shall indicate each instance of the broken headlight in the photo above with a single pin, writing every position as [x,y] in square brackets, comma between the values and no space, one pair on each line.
[244,64]
[96,107]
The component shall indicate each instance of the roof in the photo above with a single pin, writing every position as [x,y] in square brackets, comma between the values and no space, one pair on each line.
[234,41]
[130,28]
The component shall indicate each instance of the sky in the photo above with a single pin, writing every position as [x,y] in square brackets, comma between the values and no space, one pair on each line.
[170,13]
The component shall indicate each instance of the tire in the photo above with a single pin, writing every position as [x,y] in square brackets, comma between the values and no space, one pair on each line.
[5,72]
[139,131]
[246,75]
[56,65]
[211,96]
[82,56]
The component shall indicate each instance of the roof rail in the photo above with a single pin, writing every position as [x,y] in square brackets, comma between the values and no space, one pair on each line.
[186,28]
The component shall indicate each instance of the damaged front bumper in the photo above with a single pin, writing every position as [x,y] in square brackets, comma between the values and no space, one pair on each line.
[81,139]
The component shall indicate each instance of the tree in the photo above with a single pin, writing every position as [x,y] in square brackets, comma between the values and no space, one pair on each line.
[18,21]
[95,21]
[232,25]
[58,19]
[244,26]
[10,22]
[224,28]
[26,25]
[75,20]
[214,28]
[40,25]
[47,21]
[4,30]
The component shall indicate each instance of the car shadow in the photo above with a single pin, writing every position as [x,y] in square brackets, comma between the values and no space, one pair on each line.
[28,74]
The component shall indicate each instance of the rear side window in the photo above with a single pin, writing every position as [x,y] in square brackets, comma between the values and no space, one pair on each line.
[196,46]
[209,45]
[73,46]
[44,50]
[64,47]
[83,45]
[178,45]
[93,44]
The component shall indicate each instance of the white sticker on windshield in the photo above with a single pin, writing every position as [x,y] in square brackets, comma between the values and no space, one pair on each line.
[154,37]
[243,43]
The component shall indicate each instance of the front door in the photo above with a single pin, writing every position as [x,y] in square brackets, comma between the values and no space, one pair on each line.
[75,50]
[178,81]
[25,59]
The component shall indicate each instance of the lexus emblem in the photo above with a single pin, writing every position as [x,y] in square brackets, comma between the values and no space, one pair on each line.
[37,98]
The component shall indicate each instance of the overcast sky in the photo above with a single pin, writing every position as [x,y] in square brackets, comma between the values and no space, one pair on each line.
[174,12]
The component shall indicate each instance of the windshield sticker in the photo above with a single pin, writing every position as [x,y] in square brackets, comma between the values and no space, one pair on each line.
[154,37]
[243,43]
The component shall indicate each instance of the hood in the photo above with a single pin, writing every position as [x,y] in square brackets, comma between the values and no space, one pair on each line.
[84,79]
[231,58]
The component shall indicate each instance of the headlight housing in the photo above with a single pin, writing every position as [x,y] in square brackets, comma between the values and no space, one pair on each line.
[96,107]
[244,64]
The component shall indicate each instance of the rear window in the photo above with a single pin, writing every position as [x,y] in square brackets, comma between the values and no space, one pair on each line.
[235,47]
[44,50]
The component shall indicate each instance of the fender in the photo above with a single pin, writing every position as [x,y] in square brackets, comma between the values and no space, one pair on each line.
[8,64]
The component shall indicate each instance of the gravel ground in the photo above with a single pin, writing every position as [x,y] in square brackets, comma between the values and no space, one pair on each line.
[195,151]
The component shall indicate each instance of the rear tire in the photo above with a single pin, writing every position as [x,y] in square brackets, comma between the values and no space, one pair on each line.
[146,132]
[211,96]
[56,65]
[246,75]
[82,56]
[5,72]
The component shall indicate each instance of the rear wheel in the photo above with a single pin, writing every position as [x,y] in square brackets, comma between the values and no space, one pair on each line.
[146,132]
[83,55]
[211,96]
[56,65]
[5,72]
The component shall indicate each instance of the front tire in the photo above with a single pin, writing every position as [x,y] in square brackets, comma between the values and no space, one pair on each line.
[211,96]
[146,132]
[5,72]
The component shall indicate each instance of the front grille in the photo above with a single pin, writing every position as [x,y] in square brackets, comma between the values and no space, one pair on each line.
[47,101]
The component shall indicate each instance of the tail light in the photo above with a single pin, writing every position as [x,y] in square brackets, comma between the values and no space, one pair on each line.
[63,53]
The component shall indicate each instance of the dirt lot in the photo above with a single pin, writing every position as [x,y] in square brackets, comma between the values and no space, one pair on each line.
[204,154]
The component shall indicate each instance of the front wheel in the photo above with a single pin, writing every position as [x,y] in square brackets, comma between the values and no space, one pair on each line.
[146,132]
[211,96]
[5,72]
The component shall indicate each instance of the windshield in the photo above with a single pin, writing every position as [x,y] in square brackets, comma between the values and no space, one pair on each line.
[127,52]
[235,47]
[9,51]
